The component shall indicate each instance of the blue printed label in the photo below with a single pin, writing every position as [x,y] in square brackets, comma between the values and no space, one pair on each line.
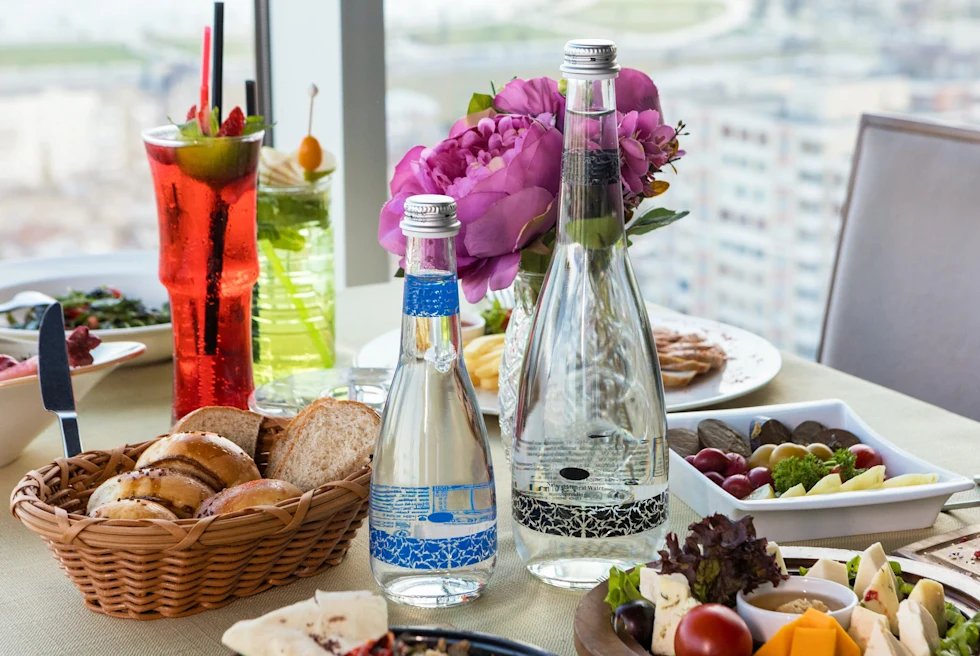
[431,296]
[413,510]
[441,553]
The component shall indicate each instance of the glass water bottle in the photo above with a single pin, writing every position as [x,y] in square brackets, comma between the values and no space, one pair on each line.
[433,512]
[590,459]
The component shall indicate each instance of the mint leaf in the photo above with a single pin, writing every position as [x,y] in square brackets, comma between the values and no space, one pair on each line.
[255,124]
[400,273]
[479,102]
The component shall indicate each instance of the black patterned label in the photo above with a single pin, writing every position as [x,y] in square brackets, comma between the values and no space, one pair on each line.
[589,521]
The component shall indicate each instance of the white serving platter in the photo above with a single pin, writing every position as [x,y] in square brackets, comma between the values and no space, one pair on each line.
[134,273]
[824,516]
[752,363]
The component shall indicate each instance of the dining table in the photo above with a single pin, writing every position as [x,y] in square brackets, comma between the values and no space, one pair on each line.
[42,613]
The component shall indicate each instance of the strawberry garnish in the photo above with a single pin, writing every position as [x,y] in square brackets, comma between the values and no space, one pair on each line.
[191,113]
[233,125]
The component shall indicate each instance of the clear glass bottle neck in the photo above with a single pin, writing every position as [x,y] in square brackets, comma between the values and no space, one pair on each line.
[592,191]
[431,327]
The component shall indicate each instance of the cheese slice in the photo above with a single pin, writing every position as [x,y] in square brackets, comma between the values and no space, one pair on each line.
[673,602]
[773,550]
[648,584]
[872,559]
[863,623]
[813,642]
[882,597]
[343,620]
[931,595]
[917,629]
[883,643]
[829,570]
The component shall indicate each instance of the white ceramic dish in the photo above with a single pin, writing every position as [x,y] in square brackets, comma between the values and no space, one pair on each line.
[133,273]
[474,325]
[764,624]
[830,515]
[24,417]
[752,363]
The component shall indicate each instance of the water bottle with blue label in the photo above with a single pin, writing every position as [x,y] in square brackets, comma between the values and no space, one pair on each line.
[433,518]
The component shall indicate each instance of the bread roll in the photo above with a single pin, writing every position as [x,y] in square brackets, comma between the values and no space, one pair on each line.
[179,493]
[214,460]
[239,426]
[133,509]
[263,492]
[327,441]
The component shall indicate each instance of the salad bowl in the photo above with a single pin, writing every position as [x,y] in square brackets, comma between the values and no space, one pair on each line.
[132,273]
[24,417]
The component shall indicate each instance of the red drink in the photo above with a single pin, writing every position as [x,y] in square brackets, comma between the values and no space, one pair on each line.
[205,193]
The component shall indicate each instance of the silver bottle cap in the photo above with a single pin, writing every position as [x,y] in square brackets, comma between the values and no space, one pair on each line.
[590,57]
[430,216]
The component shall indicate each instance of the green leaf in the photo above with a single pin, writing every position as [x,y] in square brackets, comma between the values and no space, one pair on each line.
[624,586]
[400,273]
[704,580]
[803,570]
[255,124]
[654,219]
[600,232]
[479,102]
[313,176]
[852,569]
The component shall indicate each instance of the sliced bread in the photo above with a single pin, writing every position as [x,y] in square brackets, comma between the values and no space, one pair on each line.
[239,426]
[327,441]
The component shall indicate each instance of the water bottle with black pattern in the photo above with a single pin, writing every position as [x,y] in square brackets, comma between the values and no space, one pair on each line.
[590,457]
[433,511]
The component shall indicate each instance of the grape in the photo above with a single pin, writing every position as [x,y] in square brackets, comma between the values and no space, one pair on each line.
[739,486]
[689,459]
[711,460]
[760,476]
[635,618]
[715,478]
[736,465]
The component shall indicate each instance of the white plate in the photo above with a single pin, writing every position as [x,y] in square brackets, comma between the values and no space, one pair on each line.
[752,362]
[824,516]
[133,273]
[24,417]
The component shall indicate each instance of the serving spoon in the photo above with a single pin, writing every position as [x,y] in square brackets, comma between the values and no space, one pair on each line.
[25,300]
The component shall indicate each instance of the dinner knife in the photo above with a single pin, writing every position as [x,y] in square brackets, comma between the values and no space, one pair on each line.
[55,375]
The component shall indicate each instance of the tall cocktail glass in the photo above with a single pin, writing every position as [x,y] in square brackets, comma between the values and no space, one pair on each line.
[205,191]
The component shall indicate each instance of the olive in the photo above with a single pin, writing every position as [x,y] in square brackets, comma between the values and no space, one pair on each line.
[822,451]
[760,457]
[784,451]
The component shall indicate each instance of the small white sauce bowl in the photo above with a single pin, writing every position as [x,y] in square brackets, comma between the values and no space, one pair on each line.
[473,326]
[764,624]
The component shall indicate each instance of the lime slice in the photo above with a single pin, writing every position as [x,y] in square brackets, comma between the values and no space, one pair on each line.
[218,161]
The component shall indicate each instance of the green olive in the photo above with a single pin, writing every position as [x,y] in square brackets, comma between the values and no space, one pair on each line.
[822,451]
[760,457]
[784,451]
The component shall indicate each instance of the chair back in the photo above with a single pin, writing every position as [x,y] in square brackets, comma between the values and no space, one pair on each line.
[904,303]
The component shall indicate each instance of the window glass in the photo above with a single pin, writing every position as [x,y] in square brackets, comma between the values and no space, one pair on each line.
[78,82]
[772,91]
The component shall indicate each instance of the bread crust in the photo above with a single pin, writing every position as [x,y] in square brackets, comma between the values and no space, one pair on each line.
[177,492]
[214,460]
[133,509]
[263,492]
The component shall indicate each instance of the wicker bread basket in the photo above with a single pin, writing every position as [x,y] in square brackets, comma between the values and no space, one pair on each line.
[150,569]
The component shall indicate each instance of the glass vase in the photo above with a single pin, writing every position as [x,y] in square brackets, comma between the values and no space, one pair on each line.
[527,286]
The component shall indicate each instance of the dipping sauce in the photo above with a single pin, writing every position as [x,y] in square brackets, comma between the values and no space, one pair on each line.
[792,602]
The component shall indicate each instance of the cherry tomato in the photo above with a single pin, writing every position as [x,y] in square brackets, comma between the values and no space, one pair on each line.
[760,476]
[712,630]
[115,292]
[739,486]
[736,465]
[866,456]
[310,154]
[715,478]
[711,460]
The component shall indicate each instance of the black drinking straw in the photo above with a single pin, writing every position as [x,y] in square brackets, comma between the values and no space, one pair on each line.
[250,98]
[219,49]
[219,213]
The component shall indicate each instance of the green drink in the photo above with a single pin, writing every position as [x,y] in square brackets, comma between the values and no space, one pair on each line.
[293,301]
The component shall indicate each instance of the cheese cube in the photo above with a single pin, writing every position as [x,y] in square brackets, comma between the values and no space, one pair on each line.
[883,643]
[931,595]
[673,601]
[872,559]
[773,550]
[882,597]
[648,584]
[863,623]
[829,570]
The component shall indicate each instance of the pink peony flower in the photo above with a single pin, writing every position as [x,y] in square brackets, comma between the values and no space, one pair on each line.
[645,146]
[504,174]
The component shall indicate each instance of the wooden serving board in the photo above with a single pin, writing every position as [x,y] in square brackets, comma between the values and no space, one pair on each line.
[957,550]
[594,635]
